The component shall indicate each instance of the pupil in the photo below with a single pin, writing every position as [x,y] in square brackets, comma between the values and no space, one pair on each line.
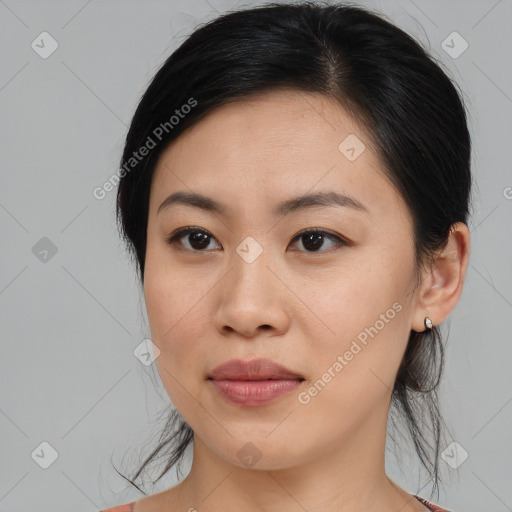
[315,238]
[200,239]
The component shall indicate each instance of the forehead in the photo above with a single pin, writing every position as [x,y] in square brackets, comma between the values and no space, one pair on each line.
[272,146]
[293,121]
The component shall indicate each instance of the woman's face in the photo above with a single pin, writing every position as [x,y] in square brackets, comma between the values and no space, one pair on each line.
[336,313]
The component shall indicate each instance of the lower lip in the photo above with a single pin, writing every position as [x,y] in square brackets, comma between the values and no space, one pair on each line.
[252,393]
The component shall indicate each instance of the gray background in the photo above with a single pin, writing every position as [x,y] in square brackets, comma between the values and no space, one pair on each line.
[70,324]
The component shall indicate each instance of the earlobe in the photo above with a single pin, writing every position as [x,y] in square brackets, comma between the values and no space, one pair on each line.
[442,287]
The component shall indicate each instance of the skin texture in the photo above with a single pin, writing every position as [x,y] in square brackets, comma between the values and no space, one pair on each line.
[207,307]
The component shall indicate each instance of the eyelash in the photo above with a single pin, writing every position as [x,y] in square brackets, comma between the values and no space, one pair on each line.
[175,237]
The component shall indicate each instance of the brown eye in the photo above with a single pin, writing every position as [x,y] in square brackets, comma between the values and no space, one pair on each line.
[198,239]
[314,239]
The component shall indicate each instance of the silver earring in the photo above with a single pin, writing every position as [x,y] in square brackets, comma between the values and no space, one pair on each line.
[428,322]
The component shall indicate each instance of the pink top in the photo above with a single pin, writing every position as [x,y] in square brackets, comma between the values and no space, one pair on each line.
[129,507]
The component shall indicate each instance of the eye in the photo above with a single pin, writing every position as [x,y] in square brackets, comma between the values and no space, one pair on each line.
[198,239]
[313,239]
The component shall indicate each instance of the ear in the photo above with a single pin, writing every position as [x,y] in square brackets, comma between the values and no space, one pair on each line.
[442,285]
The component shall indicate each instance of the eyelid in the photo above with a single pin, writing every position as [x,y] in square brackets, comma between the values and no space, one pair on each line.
[180,233]
[340,241]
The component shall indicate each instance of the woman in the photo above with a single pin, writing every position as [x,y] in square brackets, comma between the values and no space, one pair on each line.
[295,190]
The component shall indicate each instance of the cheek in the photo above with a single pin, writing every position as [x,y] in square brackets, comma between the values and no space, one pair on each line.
[169,298]
[174,331]
[360,342]
[177,311]
[353,379]
[347,300]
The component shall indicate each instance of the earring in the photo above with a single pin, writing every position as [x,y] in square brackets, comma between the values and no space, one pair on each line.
[428,322]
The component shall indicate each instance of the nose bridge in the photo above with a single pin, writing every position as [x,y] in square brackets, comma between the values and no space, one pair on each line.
[250,270]
[249,296]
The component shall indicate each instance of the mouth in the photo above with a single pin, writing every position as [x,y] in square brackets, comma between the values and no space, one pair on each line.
[253,383]
[254,370]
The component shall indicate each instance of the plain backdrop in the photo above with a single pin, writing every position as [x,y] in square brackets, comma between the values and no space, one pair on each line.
[73,396]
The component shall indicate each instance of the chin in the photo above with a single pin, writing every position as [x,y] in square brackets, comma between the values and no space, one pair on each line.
[264,453]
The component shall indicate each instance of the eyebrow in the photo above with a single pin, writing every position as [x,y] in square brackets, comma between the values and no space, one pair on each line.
[294,204]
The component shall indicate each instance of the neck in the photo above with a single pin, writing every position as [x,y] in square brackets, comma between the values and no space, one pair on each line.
[347,477]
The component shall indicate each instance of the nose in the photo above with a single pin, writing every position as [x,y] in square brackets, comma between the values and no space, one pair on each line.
[251,298]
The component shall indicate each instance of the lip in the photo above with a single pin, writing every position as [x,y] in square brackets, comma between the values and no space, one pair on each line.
[253,383]
[256,369]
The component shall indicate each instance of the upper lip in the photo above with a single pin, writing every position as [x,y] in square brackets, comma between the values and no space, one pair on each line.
[256,369]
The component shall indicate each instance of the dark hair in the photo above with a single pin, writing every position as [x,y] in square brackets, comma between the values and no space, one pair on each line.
[409,108]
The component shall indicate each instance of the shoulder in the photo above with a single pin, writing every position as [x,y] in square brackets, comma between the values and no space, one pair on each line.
[431,506]
[128,507]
